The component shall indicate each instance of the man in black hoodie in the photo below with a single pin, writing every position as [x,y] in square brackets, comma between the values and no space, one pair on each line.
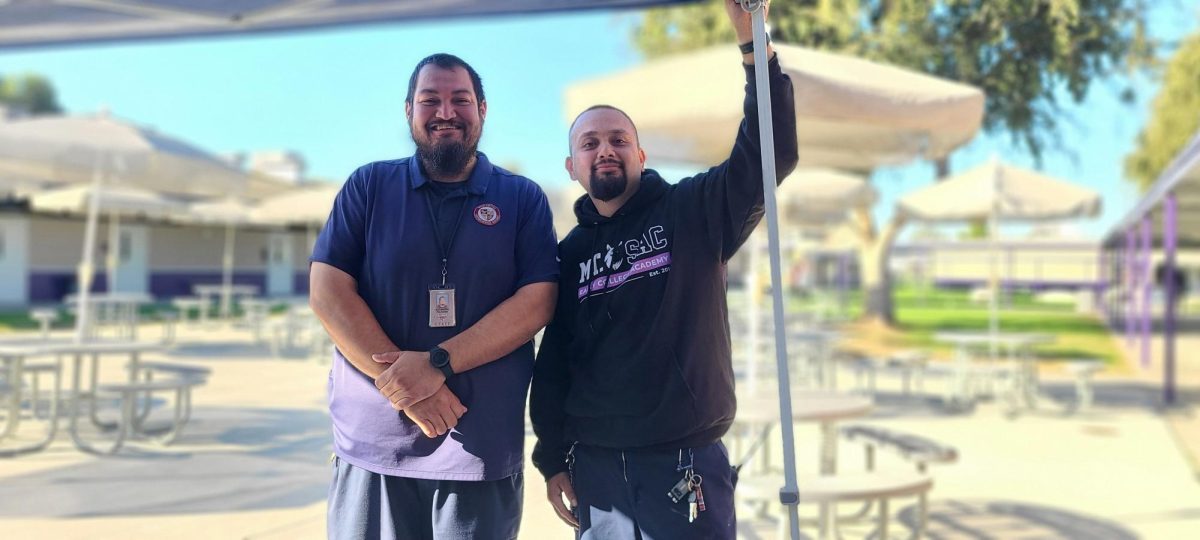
[633,385]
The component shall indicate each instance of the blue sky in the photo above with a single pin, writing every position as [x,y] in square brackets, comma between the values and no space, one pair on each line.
[336,96]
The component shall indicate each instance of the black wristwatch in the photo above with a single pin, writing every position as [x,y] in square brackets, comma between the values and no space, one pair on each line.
[439,358]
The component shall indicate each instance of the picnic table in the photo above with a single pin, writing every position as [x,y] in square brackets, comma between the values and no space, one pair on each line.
[14,355]
[116,309]
[1018,363]
[824,407]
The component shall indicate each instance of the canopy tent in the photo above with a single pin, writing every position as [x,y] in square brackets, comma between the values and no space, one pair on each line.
[66,22]
[852,114]
[72,149]
[995,192]
[1167,216]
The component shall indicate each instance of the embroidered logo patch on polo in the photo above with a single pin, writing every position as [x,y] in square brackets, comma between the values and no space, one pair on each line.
[487,214]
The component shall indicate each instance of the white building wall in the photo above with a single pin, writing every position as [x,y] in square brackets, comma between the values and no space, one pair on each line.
[14,259]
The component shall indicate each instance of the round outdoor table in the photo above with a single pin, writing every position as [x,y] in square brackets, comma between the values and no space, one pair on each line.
[822,406]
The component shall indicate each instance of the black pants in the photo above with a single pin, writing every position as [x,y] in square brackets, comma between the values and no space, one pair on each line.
[623,494]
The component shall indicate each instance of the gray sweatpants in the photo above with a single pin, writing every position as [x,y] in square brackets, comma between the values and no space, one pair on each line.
[364,505]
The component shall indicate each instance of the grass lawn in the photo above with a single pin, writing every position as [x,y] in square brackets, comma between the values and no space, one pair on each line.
[920,314]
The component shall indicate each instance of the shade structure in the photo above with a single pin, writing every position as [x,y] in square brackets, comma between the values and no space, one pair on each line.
[852,114]
[93,148]
[1013,193]
[230,212]
[63,150]
[822,197]
[57,22]
[123,200]
[309,205]
[1180,178]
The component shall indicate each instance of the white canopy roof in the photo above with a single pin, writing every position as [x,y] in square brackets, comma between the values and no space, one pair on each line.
[123,200]
[227,211]
[853,114]
[64,150]
[822,196]
[1017,194]
[56,22]
[309,205]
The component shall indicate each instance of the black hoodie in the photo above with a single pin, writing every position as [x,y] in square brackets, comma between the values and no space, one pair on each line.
[638,353]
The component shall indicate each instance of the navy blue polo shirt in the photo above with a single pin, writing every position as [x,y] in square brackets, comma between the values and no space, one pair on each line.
[380,232]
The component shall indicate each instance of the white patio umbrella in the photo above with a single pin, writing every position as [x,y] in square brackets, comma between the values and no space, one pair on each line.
[995,192]
[93,148]
[821,196]
[230,212]
[117,201]
[308,206]
[852,114]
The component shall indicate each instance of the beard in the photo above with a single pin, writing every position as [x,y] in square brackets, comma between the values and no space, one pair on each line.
[445,158]
[608,186]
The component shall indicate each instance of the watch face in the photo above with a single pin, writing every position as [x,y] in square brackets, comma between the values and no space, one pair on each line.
[439,357]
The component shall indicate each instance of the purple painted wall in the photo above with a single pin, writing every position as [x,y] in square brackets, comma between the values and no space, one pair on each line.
[300,283]
[52,287]
[171,284]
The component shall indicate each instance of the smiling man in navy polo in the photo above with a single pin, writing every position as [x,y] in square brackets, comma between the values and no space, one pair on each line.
[432,276]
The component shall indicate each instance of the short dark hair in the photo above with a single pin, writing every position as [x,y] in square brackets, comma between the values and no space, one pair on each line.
[592,108]
[444,61]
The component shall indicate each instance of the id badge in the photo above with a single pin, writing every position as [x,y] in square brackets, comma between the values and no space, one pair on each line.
[441,306]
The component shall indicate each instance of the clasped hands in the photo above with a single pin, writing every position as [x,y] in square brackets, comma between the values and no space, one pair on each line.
[416,388]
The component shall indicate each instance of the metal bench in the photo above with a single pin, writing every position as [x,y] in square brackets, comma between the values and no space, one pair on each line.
[128,393]
[915,449]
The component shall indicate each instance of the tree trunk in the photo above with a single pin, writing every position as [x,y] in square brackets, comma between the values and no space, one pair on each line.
[873,267]
[877,283]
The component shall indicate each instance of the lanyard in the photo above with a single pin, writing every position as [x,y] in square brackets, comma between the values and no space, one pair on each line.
[444,249]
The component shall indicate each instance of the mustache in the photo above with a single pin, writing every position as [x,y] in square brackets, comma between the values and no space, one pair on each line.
[600,163]
[445,123]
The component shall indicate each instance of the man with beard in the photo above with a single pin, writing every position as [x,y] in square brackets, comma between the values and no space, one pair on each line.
[432,276]
[633,386]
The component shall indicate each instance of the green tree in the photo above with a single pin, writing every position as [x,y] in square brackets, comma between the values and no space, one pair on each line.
[1019,52]
[30,92]
[1174,118]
